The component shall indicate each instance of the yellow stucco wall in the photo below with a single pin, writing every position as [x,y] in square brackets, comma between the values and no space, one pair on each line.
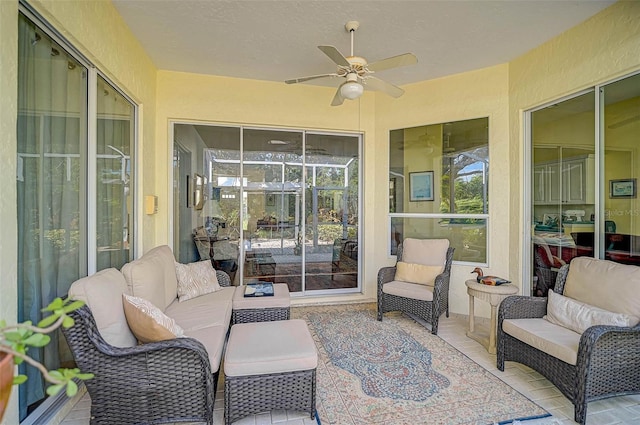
[602,48]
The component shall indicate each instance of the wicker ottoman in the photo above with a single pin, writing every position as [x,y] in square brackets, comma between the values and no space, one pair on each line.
[261,309]
[269,366]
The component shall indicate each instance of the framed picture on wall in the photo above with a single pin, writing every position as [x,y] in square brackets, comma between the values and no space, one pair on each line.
[624,188]
[271,200]
[421,186]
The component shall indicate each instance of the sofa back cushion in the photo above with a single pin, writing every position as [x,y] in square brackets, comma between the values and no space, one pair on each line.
[604,284]
[102,293]
[428,252]
[153,277]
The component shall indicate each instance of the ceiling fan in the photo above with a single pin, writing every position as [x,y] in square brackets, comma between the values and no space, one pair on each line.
[356,71]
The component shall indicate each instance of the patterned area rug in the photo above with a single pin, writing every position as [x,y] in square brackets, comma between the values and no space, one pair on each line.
[396,372]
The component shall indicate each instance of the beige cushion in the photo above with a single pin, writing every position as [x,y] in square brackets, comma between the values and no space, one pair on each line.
[147,322]
[153,277]
[579,316]
[102,293]
[429,252]
[417,273]
[557,341]
[408,290]
[195,279]
[207,310]
[212,338]
[269,347]
[604,284]
[280,298]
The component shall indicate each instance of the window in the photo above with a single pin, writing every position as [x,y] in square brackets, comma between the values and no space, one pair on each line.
[62,234]
[438,186]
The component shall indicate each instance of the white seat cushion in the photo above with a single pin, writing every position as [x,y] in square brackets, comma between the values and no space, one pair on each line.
[555,340]
[203,311]
[408,290]
[102,293]
[269,347]
[212,338]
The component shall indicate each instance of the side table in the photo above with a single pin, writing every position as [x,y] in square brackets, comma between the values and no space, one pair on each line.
[494,296]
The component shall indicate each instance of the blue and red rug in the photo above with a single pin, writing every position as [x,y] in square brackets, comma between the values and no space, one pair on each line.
[396,372]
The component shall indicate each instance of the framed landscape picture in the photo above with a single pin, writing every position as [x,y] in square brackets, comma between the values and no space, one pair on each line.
[421,186]
[624,188]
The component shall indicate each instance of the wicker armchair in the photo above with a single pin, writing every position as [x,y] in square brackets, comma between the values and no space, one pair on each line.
[608,358]
[428,310]
[159,382]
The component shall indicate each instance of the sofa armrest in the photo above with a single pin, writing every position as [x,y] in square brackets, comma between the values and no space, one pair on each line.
[385,275]
[611,344]
[521,307]
[223,278]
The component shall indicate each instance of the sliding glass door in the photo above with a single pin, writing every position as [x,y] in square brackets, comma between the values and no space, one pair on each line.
[584,170]
[70,224]
[279,205]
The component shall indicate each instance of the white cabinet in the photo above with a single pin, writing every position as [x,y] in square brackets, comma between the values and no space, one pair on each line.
[571,181]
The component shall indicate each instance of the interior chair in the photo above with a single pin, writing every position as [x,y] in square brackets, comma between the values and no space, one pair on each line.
[419,282]
[546,268]
[584,337]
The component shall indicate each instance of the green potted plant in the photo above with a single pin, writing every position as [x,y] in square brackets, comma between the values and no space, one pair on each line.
[15,341]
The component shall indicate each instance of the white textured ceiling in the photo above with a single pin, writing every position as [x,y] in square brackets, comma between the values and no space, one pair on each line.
[277,40]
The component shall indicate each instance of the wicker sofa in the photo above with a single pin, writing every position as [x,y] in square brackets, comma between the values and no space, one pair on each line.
[158,382]
[585,352]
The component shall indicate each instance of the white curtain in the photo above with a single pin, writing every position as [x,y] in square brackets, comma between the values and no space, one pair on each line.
[51,187]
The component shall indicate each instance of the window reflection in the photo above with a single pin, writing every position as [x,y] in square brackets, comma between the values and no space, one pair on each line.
[452,160]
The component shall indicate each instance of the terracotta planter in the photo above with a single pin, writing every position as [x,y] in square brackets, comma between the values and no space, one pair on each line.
[6,380]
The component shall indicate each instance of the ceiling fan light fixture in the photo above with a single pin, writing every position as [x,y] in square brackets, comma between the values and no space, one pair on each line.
[351,89]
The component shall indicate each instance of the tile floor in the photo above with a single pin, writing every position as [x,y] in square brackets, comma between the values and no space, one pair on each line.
[623,410]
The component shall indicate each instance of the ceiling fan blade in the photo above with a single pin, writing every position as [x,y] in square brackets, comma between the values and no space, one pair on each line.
[311,77]
[393,62]
[380,85]
[335,55]
[337,99]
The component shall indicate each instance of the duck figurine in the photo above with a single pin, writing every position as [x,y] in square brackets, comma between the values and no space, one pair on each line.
[488,280]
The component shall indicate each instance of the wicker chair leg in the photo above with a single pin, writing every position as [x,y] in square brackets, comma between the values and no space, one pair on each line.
[434,326]
[580,411]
